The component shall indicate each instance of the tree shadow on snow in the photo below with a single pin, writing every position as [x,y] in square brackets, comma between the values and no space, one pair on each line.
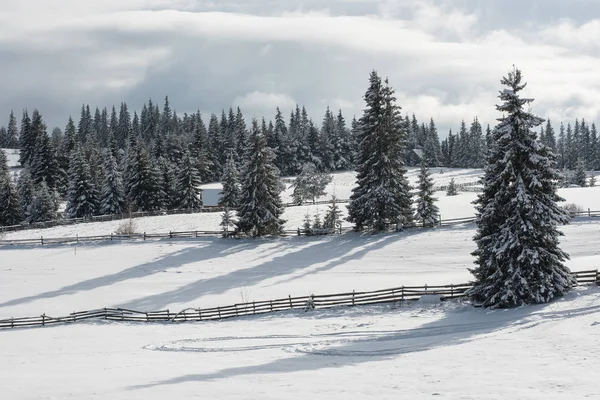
[289,258]
[459,324]
[201,249]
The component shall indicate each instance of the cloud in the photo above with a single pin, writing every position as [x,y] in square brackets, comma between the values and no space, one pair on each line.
[444,58]
[264,101]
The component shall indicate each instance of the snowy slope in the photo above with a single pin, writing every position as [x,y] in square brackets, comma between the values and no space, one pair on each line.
[542,352]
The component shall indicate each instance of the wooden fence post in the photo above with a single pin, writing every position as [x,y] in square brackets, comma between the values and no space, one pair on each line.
[353,296]
[254,306]
[105,316]
[402,293]
[147,318]
[200,314]
[219,311]
[12,322]
[290,297]
[589,213]
[170,235]
[42,240]
[451,290]
[43,319]
[144,235]
[271,301]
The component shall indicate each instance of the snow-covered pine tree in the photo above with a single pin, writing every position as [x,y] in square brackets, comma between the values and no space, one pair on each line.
[260,203]
[82,196]
[26,140]
[426,210]
[10,208]
[592,182]
[317,222]
[188,184]
[12,133]
[142,186]
[43,205]
[228,222]
[3,164]
[518,258]
[310,184]
[382,195]
[452,189]
[333,216]
[168,172]
[112,197]
[230,195]
[579,177]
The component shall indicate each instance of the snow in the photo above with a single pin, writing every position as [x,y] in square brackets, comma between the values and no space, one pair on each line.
[449,350]
[417,351]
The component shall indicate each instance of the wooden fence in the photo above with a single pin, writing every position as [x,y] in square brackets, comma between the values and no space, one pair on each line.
[195,234]
[349,299]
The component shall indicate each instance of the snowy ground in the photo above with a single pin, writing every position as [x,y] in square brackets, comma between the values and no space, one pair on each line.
[451,351]
[371,352]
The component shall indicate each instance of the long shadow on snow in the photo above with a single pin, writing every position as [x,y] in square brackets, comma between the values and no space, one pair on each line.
[333,251]
[459,325]
[206,249]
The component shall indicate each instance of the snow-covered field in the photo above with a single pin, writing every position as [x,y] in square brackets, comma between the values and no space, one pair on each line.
[450,351]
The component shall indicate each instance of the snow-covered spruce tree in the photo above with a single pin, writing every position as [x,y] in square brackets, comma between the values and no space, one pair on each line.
[592,182]
[188,184]
[82,195]
[230,195]
[10,208]
[426,210]
[307,223]
[143,189]
[382,195]
[452,189]
[579,177]
[310,184]
[112,197]
[228,222]
[260,203]
[43,206]
[317,222]
[518,258]
[332,218]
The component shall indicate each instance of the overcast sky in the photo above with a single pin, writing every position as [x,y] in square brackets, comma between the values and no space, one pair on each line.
[444,58]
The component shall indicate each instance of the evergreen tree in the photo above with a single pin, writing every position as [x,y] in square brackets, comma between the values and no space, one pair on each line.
[82,196]
[426,210]
[4,170]
[230,195]
[43,205]
[310,184]
[260,203]
[143,187]
[382,194]
[188,185]
[10,207]
[26,140]
[25,190]
[592,181]
[168,182]
[452,189]
[12,133]
[112,197]
[333,216]
[227,222]
[580,178]
[517,256]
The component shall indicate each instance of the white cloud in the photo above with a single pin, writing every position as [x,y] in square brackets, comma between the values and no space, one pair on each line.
[261,100]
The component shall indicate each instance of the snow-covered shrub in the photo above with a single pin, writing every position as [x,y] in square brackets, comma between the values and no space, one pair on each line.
[127,227]
[572,209]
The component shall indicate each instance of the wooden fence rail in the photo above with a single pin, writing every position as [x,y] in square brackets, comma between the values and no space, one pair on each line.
[397,294]
[195,234]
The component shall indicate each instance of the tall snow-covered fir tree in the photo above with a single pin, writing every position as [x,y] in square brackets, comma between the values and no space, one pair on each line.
[426,210]
[188,184]
[230,195]
[112,196]
[10,208]
[518,256]
[580,177]
[260,203]
[333,216]
[82,196]
[382,195]
[142,188]
[43,205]
[452,189]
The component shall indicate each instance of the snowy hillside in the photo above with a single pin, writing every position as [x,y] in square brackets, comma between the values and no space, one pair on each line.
[377,352]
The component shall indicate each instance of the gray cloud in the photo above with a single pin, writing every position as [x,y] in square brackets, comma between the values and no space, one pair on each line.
[444,58]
